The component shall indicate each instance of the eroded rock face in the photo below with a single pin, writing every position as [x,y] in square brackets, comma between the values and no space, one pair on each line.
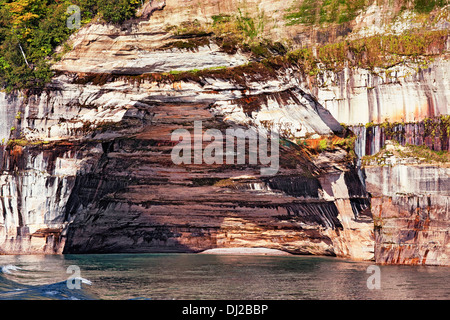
[35,186]
[151,205]
[88,164]
[398,94]
[119,189]
[410,207]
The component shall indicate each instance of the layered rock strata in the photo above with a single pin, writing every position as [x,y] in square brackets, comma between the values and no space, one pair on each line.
[403,93]
[410,207]
[86,163]
[99,141]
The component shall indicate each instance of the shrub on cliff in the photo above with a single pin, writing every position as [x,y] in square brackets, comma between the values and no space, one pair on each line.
[117,11]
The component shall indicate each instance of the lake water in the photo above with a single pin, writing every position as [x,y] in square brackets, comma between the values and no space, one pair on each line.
[213,277]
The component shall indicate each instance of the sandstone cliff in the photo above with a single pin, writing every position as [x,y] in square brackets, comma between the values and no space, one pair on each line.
[86,161]
[410,211]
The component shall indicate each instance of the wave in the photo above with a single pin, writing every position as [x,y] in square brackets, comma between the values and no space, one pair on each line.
[9,268]
[13,290]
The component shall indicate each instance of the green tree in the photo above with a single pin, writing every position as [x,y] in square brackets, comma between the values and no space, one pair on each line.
[30,30]
[117,11]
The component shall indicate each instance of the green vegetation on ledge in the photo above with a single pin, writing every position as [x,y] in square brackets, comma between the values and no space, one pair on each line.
[367,53]
[231,32]
[381,51]
[434,127]
[318,12]
[409,154]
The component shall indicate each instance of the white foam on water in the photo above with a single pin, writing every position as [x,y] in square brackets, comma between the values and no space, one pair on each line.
[8,269]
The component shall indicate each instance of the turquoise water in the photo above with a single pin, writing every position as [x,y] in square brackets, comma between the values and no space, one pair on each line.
[213,277]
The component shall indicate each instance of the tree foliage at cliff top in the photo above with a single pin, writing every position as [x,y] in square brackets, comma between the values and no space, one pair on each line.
[30,30]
